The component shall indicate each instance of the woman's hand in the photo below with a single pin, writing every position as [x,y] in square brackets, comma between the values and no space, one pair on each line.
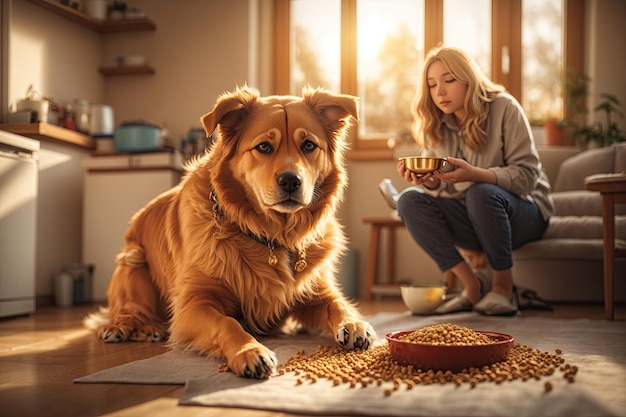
[464,171]
[426,180]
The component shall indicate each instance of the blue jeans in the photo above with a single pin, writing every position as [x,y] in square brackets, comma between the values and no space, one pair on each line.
[492,220]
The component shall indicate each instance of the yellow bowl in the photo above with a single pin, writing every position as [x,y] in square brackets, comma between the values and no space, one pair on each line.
[422,299]
[423,164]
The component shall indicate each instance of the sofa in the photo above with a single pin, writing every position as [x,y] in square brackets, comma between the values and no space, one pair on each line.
[567,263]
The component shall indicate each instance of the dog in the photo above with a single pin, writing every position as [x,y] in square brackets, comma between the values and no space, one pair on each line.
[249,240]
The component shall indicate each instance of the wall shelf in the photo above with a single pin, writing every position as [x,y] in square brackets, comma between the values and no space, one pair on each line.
[127,25]
[130,70]
[47,131]
[107,26]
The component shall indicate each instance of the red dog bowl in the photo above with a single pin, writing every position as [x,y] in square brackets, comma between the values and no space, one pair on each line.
[449,357]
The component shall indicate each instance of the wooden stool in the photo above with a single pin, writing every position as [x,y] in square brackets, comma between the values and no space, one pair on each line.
[613,191]
[376,225]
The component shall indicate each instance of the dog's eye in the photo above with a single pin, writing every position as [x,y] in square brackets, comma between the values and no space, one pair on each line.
[308,146]
[264,147]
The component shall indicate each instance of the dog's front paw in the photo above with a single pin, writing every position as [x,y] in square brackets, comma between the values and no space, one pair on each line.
[254,361]
[356,334]
[113,334]
[148,334]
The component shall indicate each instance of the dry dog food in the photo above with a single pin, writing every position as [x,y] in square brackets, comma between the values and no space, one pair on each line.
[446,334]
[376,366]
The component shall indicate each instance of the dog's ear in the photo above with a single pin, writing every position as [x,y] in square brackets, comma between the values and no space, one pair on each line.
[229,109]
[338,111]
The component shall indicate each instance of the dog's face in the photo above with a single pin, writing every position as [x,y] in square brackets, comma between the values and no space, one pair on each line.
[286,152]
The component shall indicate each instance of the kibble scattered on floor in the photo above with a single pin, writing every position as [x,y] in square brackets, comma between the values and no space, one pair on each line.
[362,368]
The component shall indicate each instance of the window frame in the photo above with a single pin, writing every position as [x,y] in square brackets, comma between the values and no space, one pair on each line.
[507,35]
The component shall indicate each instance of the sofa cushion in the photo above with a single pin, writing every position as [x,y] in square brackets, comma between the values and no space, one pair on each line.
[582,227]
[577,203]
[575,227]
[581,203]
[557,250]
[553,156]
[573,170]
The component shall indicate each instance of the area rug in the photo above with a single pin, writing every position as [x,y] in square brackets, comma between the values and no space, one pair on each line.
[596,347]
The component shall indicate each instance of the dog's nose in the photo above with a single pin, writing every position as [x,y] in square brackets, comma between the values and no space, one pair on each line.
[289,181]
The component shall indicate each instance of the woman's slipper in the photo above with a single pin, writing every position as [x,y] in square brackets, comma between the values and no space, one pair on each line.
[459,302]
[494,304]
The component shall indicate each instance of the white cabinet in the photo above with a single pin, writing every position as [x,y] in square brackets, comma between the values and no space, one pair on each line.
[19,179]
[115,188]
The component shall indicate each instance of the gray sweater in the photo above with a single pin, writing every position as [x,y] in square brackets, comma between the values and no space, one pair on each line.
[509,151]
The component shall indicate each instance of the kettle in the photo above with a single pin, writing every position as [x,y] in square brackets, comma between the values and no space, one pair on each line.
[101,120]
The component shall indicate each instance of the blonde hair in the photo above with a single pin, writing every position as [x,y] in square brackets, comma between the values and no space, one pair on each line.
[480,91]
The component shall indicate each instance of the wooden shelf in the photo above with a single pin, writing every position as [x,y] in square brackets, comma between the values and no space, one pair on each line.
[130,70]
[46,131]
[107,26]
[127,25]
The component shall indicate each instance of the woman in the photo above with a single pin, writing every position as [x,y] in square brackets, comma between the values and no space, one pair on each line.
[496,196]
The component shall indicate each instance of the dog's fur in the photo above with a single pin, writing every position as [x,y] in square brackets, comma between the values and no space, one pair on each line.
[199,259]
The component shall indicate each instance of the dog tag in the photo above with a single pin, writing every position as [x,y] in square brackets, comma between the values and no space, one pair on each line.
[273,259]
[300,265]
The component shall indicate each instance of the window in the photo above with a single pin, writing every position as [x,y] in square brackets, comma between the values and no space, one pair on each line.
[374,49]
[390,46]
[542,59]
[315,44]
[467,25]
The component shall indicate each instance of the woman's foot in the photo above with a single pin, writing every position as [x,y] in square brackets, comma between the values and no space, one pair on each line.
[465,300]
[494,303]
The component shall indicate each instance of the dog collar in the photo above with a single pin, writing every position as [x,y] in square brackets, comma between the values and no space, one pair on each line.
[300,264]
[272,244]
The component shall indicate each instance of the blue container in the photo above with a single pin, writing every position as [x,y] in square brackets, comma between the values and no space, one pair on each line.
[137,137]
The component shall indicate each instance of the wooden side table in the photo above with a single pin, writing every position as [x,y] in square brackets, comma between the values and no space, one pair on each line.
[377,224]
[612,187]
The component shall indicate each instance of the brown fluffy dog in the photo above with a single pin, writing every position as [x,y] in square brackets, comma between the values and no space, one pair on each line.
[248,240]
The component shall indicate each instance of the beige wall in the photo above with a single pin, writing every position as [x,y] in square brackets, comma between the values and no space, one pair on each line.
[59,58]
[606,54]
[200,49]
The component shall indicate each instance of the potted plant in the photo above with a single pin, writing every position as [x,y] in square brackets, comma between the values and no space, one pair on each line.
[556,130]
[598,134]
[117,9]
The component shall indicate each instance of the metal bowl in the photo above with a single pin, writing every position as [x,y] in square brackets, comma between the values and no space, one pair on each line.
[423,164]
[449,357]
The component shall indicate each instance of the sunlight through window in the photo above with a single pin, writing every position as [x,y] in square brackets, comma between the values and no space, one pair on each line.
[390,48]
[467,25]
[315,44]
[542,59]
[391,36]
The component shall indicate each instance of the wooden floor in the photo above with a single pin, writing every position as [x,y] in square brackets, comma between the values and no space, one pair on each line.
[41,354]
